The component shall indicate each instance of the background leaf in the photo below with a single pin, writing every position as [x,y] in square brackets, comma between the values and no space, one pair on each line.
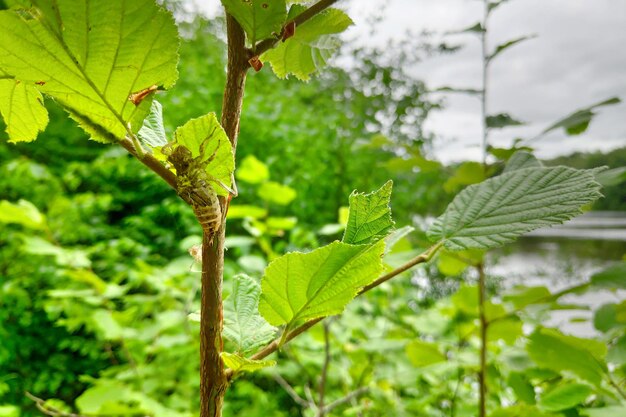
[553,350]
[501,120]
[23,212]
[577,122]
[500,209]
[303,286]
[243,325]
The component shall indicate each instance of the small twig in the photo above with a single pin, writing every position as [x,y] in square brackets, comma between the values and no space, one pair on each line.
[347,398]
[292,393]
[309,395]
[322,386]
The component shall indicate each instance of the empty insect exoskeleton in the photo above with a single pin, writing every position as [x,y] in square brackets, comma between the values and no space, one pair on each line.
[193,184]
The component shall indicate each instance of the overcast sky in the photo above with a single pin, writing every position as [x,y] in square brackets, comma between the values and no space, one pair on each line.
[577,59]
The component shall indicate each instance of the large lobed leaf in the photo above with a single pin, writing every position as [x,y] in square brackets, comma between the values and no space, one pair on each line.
[303,286]
[259,18]
[369,218]
[91,56]
[500,209]
[311,46]
[243,325]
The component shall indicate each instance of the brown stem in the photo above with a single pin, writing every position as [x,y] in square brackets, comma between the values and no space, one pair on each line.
[307,14]
[482,372]
[213,382]
[151,162]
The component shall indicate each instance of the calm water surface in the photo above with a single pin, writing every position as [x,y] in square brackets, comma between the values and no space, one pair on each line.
[564,256]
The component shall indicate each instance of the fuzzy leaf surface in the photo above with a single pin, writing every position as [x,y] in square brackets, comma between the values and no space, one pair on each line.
[243,325]
[90,56]
[259,18]
[312,45]
[500,209]
[521,160]
[303,286]
[369,218]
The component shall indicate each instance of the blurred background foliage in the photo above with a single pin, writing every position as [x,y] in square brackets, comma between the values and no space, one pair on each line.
[96,283]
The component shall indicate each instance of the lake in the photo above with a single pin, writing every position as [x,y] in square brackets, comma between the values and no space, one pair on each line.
[563,256]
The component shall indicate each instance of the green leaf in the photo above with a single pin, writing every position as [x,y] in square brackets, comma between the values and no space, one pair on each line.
[276,193]
[610,411]
[450,265]
[281,223]
[23,213]
[501,120]
[553,350]
[252,171]
[243,325]
[241,211]
[9,411]
[369,218]
[466,174]
[303,286]
[523,296]
[504,46]
[90,56]
[65,257]
[564,397]
[206,140]
[422,353]
[610,316]
[22,109]
[500,209]
[311,46]
[477,28]
[492,5]
[95,399]
[259,18]
[577,122]
[108,327]
[612,278]
[152,132]
[506,153]
[612,177]
[241,364]
[521,160]
[523,389]
[521,410]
